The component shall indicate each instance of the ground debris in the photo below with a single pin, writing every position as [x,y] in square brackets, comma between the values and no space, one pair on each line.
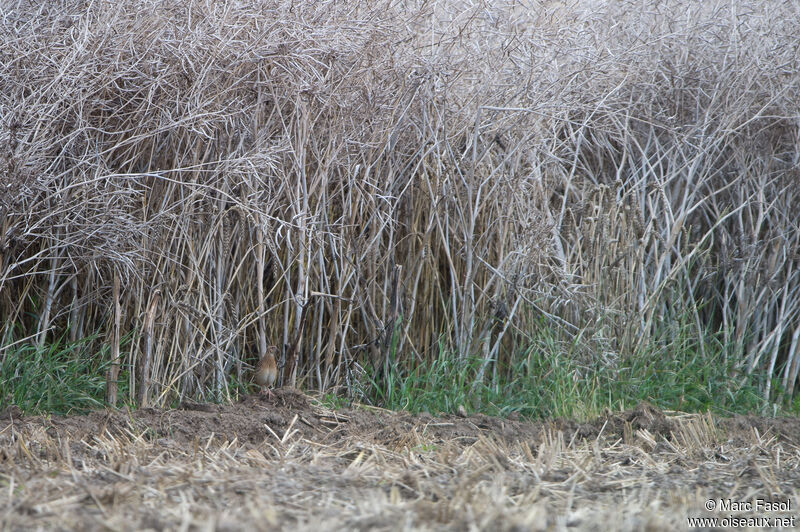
[287,461]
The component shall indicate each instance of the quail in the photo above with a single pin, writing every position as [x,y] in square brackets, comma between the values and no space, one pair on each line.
[267,370]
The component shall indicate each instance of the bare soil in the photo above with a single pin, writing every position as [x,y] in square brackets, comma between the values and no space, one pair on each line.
[286,462]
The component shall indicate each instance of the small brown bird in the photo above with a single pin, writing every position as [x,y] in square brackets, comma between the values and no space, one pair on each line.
[267,370]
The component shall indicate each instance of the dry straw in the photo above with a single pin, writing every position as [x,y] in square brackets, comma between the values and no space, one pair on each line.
[231,163]
[240,467]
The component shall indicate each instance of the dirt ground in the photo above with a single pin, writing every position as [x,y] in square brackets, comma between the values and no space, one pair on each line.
[288,463]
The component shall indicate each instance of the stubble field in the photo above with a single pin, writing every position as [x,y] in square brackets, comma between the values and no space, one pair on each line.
[290,463]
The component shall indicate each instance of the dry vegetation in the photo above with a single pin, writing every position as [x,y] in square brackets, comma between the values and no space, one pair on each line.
[413,174]
[290,464]
[382,188]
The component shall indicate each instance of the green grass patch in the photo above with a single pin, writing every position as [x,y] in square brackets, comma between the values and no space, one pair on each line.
[58,378]
[547,379]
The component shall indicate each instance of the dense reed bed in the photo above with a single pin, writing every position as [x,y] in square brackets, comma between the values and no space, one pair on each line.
[371,185]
